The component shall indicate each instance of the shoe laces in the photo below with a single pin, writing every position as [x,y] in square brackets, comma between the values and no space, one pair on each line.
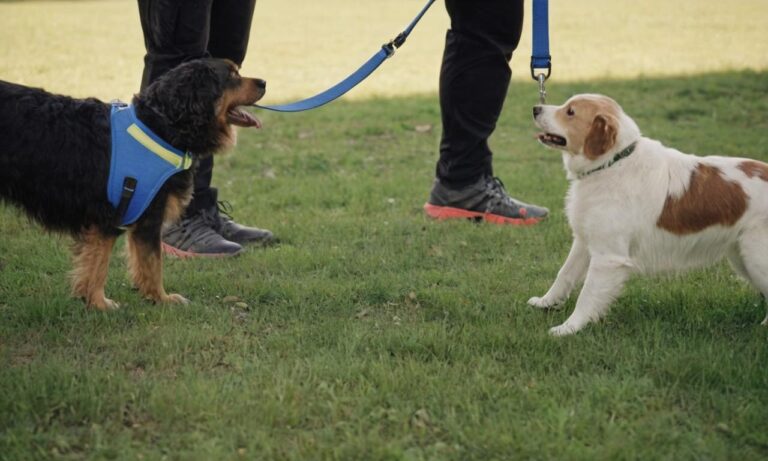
[495,189]
[201,226]
[225,208]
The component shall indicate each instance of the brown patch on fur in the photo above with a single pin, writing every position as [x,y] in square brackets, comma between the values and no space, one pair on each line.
[145,266]
[601,136]
[753,168]
[710,200]
[579,126]
[175,206]
[244,93]
[91,253]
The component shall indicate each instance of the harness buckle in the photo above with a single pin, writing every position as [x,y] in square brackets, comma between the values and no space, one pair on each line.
[129,188]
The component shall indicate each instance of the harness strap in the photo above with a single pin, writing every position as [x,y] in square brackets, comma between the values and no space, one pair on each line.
[129,188]
[387,50]
[140,163]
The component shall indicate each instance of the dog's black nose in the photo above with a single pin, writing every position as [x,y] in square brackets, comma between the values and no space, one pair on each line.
[261,84]
[536,111]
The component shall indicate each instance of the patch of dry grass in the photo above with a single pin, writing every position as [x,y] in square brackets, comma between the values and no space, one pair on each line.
[301,47]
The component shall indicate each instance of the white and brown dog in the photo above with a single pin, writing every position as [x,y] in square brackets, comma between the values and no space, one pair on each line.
[636,206]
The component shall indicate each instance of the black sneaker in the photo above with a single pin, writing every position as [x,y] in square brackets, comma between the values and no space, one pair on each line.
[238,233]
[484,200]
[195,237]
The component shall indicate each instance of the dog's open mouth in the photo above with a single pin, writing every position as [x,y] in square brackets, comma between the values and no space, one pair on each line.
[552,139]
[239,117]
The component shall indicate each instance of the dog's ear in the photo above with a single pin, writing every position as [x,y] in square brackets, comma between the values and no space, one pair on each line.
[601,136]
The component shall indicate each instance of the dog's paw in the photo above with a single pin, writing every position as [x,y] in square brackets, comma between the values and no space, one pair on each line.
[563,330]
[542,303]
[104,304]
[175,298]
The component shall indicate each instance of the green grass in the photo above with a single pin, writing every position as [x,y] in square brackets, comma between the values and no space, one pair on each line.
[372,332]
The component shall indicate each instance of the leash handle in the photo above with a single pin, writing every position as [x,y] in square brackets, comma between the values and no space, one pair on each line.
[540,57]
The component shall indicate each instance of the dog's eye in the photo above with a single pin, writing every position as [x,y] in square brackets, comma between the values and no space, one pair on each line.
[570,112]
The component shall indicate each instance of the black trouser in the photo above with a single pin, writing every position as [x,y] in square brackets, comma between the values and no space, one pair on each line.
[474,78]
[179,30]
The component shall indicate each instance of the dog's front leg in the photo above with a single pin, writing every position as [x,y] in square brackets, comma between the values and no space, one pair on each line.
[604,282]
[145,264]
[91,253]
[571,274]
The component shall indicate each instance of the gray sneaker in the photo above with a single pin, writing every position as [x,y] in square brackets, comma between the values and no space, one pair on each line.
[195,236]
[486,200]
[238,233]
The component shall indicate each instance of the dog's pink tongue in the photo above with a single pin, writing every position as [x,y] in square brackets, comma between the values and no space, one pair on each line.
[242,118]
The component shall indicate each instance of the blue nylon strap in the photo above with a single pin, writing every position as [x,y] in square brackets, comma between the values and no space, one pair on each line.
[540,58]
[386,51]
[337,90]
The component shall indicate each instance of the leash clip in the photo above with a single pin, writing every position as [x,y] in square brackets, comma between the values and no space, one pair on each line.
[541,77]
[542,91]
[391,46]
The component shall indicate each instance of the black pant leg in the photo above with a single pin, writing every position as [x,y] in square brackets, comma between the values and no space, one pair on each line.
[474,79]
[174,31]
[230,29]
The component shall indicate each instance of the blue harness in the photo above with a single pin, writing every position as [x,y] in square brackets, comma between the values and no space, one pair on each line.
[141,162]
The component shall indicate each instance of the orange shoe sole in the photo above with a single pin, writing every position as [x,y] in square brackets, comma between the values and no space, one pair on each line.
[181,254]
[446,212]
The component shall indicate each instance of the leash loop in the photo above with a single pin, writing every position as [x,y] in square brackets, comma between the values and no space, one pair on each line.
[540,57]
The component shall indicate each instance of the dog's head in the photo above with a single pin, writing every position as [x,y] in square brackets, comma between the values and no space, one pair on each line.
[194,106]
[587,127]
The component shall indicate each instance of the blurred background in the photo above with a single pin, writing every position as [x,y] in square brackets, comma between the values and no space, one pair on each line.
[301,47]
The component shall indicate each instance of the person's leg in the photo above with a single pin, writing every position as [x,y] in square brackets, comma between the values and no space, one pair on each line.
[230,29]
[474,79]
[176,31]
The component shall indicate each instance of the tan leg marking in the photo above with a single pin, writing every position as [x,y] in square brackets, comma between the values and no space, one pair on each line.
[91,253]
[145,265]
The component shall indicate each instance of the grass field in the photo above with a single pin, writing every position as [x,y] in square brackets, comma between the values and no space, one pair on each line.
[372,332]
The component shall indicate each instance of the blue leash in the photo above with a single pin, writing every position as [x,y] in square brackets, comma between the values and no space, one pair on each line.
[387,50]
[540,58]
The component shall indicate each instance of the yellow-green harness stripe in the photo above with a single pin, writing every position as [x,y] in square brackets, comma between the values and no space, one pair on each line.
[178,162]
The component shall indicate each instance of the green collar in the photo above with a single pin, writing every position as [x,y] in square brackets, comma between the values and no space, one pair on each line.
[623,154]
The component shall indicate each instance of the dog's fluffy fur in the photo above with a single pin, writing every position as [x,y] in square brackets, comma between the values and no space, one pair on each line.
[655,210]
[55,155]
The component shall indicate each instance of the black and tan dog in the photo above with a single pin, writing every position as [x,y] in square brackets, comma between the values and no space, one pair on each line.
[55,154]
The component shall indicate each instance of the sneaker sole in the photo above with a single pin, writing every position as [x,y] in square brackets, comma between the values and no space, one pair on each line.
[446,212]
[181,254]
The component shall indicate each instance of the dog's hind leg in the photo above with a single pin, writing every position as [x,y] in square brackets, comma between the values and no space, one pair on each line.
[92,250]
[753,253]
[145,264]
[604,282]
